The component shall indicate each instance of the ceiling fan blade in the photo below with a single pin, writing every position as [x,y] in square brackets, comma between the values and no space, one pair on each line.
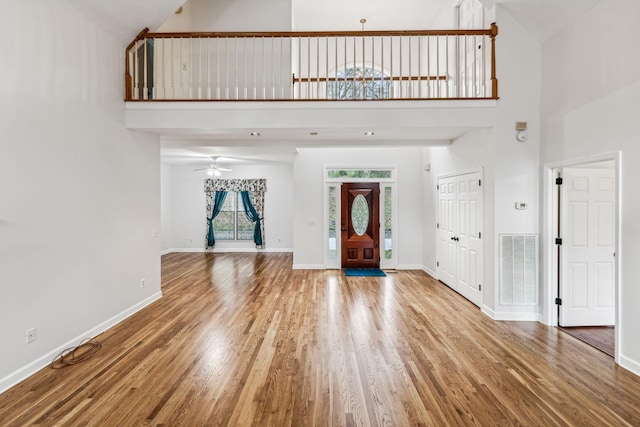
[201,169]
[224,169]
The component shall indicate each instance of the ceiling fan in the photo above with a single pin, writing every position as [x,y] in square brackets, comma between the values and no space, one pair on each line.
[213,168]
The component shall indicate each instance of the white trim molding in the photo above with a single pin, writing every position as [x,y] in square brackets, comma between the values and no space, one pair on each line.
[630,364]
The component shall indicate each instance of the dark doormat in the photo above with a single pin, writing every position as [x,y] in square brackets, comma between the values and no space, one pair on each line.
[364,272]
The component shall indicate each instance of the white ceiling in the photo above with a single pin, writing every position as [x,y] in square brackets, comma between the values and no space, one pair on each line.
[544,18]
[280,145]
[125,18]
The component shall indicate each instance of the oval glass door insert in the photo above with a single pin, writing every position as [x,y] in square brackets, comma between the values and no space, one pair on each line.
[360,214]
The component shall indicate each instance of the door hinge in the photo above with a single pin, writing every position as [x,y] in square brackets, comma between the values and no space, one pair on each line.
[438,187]
[437,225]
[558,301]
[558,241]
[437,263]
[558,181]
[479,287]
[479,183]
[479,235]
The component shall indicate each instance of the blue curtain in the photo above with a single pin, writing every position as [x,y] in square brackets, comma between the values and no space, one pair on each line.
[218,201]
[252,216]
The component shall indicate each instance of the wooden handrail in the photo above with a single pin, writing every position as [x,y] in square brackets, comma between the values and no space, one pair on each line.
[321,34]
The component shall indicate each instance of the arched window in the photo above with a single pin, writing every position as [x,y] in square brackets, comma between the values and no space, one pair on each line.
[359,83]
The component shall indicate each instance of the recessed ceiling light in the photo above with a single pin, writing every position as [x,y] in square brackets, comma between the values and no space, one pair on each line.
[255,134]
[369,133]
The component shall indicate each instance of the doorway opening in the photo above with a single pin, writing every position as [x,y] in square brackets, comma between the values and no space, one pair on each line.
[584,250]
[386,206]
[360,225]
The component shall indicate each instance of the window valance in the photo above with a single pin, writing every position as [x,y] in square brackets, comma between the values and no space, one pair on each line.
[253,185]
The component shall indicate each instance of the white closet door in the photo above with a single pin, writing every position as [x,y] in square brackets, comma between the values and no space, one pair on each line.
[588,244]
[459,234]
[446,232]
[469,271]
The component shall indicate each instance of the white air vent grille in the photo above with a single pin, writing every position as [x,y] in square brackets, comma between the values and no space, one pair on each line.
[518,269]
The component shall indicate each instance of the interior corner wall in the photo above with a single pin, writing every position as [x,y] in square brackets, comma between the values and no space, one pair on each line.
[186,212]
[80,193]
[308,173]
[472,151]
[166,203]
[510,168]
[517,164]
[590,107]
[230,15]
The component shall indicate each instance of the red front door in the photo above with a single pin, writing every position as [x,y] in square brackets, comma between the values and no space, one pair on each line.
[360,225]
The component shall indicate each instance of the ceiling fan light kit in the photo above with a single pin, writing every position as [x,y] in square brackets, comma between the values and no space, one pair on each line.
[213,169]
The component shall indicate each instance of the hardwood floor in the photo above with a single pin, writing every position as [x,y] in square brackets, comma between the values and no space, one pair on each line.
[242,339]
[601,337]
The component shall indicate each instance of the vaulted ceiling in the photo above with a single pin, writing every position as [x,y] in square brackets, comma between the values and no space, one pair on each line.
[542,18]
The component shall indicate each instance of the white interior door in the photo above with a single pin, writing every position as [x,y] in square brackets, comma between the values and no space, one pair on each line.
[469,266]
[587,260]
[446,231]
[459,238]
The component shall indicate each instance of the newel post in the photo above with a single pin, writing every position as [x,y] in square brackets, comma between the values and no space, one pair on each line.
[128,79]
[494,79]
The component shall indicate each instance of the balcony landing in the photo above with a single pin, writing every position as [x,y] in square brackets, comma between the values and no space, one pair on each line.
[312,123]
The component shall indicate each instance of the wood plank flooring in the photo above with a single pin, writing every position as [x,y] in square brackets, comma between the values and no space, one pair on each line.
[601,337]
[242,339]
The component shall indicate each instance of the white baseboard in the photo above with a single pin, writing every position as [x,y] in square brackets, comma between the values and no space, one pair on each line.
[409,267]
[308,267]
[430,272]
[44,361]
[518,316]
[630,364]
[228,250]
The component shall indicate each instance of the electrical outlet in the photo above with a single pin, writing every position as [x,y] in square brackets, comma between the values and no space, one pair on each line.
[31,335]
[143,283]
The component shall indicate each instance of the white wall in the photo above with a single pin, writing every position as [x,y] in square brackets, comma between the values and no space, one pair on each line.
[79,193]
[166,204]
[309,240]
[231,15]
[590,106]
[186,213]
[511,168]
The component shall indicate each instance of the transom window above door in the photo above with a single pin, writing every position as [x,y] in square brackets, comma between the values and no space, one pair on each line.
[360,173]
